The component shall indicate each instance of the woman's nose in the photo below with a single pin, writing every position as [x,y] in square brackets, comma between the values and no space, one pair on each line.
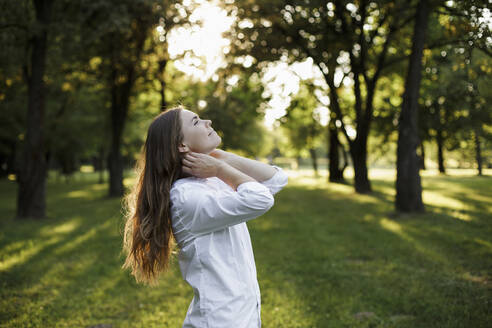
[209,122]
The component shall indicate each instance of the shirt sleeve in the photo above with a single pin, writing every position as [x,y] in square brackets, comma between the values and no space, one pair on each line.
[203,210]
[277,181]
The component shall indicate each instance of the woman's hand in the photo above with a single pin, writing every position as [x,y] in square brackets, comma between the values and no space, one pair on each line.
[201,165]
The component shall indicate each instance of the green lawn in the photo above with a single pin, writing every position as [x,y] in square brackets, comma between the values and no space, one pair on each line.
[326,257]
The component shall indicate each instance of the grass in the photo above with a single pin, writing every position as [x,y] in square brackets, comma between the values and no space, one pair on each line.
[326,257]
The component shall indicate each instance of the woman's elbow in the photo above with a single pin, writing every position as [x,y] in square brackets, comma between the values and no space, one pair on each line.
[265,202]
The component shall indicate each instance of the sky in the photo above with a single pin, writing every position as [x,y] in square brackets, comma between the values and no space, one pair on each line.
[280,80]
[205,42]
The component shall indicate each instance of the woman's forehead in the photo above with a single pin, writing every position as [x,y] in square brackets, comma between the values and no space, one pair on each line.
[187,117]
[188,114]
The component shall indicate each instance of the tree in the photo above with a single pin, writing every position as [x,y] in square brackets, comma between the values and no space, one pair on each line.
[345,40]
[442,100]
[479,83]
[124,29]
[452,107]
[31,199]
[64,75]
[302,121]
[173,16]
[335,149]
[13,85]
[234,105]
[408,186]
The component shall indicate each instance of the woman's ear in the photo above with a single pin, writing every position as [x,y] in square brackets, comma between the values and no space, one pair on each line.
[183,148]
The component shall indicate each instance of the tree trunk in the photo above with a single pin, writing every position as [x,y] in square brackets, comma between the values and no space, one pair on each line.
[478,152]
[162,80]
[440,151]
[314,160]
[335,173]
[100,160]
[119,112]
[8,161]
[115,166]
[31,197]
[298,162]
[408,185]
[120,101]
[422,156]
[359,159]
[358,147]
[345,160]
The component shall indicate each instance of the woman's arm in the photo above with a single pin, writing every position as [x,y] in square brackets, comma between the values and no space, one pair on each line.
[255,169]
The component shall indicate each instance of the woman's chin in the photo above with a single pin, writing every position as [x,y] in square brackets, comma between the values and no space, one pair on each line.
[219,139]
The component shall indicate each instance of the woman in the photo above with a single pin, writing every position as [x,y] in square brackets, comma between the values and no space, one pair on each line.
[202,196]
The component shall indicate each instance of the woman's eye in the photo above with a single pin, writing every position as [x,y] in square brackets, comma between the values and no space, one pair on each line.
[196,122]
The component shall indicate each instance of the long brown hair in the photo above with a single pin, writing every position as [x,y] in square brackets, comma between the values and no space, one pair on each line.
[148,239]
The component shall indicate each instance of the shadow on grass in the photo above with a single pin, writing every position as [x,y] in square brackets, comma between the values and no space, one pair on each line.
[66,269]
[340,254]
[323,254]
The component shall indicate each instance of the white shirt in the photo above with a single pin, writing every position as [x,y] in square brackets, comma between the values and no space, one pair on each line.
[216,258]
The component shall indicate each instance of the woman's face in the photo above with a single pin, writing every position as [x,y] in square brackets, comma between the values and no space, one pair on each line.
[198,134]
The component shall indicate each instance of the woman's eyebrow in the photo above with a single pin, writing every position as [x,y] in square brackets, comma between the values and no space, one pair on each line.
[194,118]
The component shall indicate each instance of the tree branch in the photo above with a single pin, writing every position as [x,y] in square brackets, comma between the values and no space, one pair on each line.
[450,12]
[334,105]
[485,51]
[382,56]
[362,41]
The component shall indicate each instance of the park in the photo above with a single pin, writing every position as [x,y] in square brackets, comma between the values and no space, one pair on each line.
[377,111]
